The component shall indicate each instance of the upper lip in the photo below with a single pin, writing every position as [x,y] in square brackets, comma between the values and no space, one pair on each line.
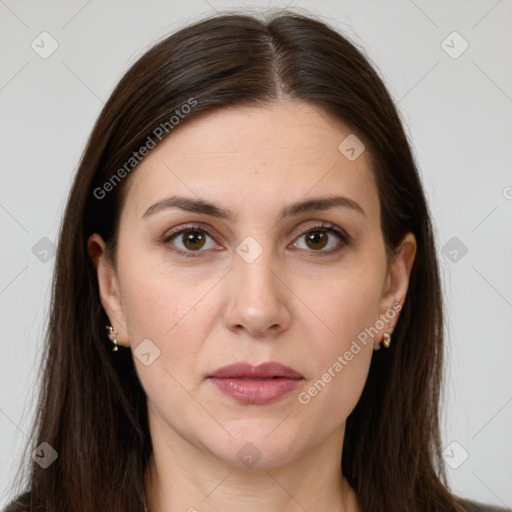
[262,371]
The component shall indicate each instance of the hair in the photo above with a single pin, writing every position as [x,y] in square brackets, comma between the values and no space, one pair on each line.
[92,408]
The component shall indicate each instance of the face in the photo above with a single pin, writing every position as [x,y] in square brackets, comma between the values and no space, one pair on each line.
[253,278]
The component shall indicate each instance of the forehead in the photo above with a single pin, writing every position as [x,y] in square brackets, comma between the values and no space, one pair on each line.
[249,155]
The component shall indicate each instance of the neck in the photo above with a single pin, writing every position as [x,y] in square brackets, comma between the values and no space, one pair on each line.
[187,478]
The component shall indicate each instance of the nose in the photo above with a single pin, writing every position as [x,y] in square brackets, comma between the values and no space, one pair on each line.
[258,297]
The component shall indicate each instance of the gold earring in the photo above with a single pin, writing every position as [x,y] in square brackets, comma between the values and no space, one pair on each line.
[112,335]
[386,340]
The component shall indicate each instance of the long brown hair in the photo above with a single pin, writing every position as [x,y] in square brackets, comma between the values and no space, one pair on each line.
[92,408]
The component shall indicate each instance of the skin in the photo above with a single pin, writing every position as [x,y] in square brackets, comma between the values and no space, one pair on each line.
[294,304]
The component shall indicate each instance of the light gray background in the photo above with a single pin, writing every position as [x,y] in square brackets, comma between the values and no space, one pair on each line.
[457,111]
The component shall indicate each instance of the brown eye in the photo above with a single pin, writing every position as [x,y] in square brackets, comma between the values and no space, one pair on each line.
[193,239]
[321,237]
[316,239]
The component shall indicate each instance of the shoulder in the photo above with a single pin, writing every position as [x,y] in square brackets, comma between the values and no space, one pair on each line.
[473,506]
[21,504]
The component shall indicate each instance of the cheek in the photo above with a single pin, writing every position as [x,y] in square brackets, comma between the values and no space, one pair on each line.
[347,306]
[349,309]
[156,296]
[158,308]
[172,308]
[151,306]
[341,364]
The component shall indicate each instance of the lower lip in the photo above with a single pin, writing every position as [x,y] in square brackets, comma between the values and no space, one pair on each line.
[255,391]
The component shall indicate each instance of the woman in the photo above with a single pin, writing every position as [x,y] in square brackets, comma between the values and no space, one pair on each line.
[245,231]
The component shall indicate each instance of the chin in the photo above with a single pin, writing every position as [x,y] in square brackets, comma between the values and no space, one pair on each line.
[256,444]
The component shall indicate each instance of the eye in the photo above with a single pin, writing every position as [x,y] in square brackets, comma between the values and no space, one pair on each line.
[319,237]
[190,239]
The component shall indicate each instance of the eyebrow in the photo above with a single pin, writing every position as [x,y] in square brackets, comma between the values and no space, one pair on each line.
[214,210]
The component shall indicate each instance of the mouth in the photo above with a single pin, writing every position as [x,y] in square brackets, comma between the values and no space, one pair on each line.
[257,385]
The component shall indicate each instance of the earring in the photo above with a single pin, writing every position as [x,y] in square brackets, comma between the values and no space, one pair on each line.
[386,339]
[112,335]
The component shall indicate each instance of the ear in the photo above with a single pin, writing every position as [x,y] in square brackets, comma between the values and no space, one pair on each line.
[110,292]
[396,284]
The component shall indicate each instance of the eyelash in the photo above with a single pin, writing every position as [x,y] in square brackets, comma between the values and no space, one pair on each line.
[343,236]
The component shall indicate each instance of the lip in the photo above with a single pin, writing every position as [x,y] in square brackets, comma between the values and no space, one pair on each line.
[258,385]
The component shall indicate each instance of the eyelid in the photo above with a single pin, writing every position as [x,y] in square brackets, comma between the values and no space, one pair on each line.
[188,227]
[328,226]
